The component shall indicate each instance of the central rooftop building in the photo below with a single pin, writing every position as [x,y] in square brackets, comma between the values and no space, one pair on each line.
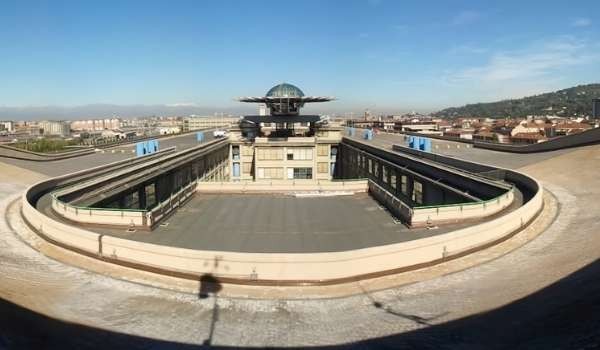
[284,145]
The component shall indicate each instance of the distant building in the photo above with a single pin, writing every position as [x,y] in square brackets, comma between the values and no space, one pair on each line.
[528,138]
[568,128]
[527,127]
[466,134]
[96,124]
[168,130]
[8,126]
[55,128]
[596,108]
[198,123]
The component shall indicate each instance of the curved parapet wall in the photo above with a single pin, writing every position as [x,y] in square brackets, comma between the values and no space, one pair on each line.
[17,153]
[584,138]
[284,268]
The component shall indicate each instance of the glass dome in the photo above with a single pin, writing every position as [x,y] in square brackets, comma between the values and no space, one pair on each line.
[285,90]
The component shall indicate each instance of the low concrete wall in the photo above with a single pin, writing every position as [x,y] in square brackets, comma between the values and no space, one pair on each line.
[588,137]
[100,216]
[283,186]
[439,215]
[284,269]
[58,232]
[427,216]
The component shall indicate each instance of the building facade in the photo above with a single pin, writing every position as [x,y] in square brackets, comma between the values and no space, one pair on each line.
[283,146]
[55,128]
[8,126]
[96,124]
[192,123]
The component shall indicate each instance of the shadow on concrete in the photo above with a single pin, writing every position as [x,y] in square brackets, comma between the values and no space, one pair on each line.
[564,315]
[210,286]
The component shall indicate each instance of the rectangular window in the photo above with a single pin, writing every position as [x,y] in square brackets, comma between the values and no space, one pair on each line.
[323,150]
[403,184]
[370,165]
[376,169]
[236,169]
[247,168]
[150,195]
[302,173]
[235,152]
[334,152]
[384,174]
[299,153]
[132,201]
[247,150]
[417,192]
[270,173]
[393,179]
[270,153]
[322,167]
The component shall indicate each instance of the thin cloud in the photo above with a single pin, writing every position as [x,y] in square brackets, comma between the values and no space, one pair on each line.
[581,22]
[541,59]
[466,17]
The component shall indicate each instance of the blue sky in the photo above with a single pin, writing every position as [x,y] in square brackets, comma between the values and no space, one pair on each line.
[379,54]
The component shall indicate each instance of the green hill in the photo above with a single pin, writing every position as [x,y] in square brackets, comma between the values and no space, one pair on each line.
[575,101]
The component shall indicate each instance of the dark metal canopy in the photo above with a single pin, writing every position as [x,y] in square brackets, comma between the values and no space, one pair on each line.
[282,118]
[268,99]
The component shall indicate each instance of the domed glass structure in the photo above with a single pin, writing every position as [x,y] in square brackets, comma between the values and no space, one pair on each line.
[285,100]
[285,90]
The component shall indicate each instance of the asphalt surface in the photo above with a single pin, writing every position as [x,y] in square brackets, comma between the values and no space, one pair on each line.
[66,166]
[467,151]
[279,224]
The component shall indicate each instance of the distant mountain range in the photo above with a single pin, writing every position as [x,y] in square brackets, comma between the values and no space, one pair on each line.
[575,101]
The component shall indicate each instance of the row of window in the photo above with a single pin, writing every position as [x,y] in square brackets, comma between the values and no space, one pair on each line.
[303,153]
[246,169]
[277,173]
[281,125]
[299,154]
[269,153]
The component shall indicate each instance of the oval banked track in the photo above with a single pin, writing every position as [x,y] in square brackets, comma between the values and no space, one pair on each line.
[546,294]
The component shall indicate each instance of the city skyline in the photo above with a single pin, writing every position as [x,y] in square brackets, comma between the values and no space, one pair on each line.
[380,55]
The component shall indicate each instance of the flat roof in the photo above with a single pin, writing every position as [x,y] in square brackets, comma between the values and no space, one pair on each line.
[257,223]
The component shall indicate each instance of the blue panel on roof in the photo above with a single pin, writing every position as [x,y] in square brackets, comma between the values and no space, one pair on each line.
[140,149]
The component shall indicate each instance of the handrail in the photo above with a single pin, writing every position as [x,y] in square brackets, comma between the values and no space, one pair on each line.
[495,199]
